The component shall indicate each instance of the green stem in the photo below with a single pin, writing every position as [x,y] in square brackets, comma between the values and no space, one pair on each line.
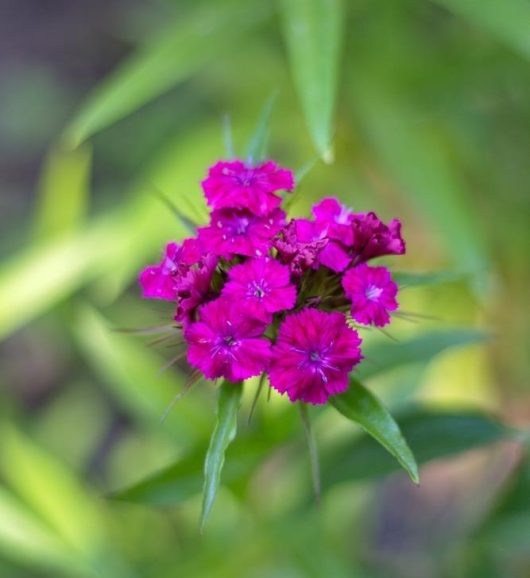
[313,451]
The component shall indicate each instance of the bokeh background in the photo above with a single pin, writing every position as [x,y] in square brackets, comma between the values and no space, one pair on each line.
[416,109]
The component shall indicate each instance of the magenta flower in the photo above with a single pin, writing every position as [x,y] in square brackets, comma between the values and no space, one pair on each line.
[234,184]
[193,288]
[313,355]
[227,342]
[334,220]
[240,232]
[372,293]
[262,287]
[372,238]
[299,245]
[160,281]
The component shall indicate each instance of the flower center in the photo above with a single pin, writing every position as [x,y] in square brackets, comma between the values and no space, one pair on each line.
[315,356]
[240,226]
[245,179]
[257,289]
[373,293]
[229,340]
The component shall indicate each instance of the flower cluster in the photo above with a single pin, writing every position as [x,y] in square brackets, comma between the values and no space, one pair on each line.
[256,292]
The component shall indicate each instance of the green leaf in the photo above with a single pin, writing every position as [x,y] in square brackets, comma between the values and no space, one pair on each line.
[430,434]
[509,20]
[361,406]
[313,34]
[223,434]
[54,493]
[416,158]
[257,147]
[405,279]
[26,539]
[132,372]
[183,479]
[172,56]
[63,192]
[386,355]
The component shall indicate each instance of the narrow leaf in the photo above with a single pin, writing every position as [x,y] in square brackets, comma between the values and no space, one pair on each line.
[406,279]
[509,21]
[313,33]
[431,434]
[257,147]
[223,434]
[172,56]
[63,192]
[386,355]
[360,405]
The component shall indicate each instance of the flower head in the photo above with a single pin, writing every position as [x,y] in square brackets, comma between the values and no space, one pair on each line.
[227,342]
[335,220]
[234,184]
[372,238]
[160,281]
[262,287]
[372,293]
[313,355]
[299,245]
[240,232]
[193,287]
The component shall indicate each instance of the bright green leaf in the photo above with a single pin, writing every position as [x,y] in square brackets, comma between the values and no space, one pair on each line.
[313,34]
[63,192]
[24,538]
[509,20]
[132,372]
[223,434]
[52,491]
[172,56]
[361,406]
[386,355]
[430,435]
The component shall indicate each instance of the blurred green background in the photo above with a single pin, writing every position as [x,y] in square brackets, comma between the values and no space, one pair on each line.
[417,109]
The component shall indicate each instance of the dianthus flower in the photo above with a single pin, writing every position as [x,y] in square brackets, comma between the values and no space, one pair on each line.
[372,293]
[160,281]
[226,342]
[299,245]
[240,232]
[254,293]
[372,238]
[238,185]
[313,355]
[262,287]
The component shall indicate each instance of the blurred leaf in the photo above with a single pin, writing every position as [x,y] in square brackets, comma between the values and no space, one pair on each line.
[185,478]
[509,20]
[223,434]
[417,158]
[43,274]
[24,538]
[313,35]
[117,244]
[430,435]
[361,406]
[257,147]
[386,355]
[133,373]
[52,491]
[405,279]
[172,56]
[63,191]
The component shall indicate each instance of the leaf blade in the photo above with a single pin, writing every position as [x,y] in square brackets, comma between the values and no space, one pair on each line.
[223,434]
[360,405]
[173,56]
[420,349]
[313,32]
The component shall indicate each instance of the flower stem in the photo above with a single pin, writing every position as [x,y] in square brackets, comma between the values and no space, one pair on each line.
[313,451]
